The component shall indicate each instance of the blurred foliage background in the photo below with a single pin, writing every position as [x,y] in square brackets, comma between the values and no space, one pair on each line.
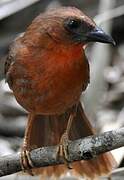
[104,98]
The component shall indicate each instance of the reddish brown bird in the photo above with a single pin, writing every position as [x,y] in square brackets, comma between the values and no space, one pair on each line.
[47,70]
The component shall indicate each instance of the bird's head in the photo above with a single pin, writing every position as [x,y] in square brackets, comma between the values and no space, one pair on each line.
[70,25]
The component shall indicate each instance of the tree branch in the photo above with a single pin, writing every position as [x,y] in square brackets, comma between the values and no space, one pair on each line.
[81,149]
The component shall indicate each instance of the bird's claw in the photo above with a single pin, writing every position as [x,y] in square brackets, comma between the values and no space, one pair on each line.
[62,150]
[26,162]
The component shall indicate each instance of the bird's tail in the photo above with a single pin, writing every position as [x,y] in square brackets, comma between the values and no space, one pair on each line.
[47,131]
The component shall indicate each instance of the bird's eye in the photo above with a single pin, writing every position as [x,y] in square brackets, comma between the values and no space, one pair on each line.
[73,24]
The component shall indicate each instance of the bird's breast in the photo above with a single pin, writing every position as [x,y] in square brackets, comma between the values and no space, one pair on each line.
[53,82]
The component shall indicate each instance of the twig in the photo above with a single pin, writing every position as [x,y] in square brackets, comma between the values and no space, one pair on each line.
[110,14]
[12,7]
[81,149]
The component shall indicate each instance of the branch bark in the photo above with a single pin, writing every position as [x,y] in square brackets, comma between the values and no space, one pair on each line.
[81,149]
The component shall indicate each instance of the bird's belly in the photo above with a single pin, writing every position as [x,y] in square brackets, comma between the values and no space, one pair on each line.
[46,99]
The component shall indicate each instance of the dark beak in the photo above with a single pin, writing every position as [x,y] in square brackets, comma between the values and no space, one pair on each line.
[98,35]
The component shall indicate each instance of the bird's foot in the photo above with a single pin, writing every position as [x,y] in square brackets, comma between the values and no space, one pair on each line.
[62,150]
[26,162]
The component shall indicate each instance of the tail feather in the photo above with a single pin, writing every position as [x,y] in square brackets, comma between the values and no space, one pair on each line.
[99,166]
[47,131]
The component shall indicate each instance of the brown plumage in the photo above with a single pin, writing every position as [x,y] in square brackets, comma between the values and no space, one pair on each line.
[47,70]
[52,127]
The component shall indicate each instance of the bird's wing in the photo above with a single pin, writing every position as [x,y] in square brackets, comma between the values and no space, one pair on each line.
[10,58]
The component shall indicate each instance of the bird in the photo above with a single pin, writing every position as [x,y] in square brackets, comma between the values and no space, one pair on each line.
[47,70]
